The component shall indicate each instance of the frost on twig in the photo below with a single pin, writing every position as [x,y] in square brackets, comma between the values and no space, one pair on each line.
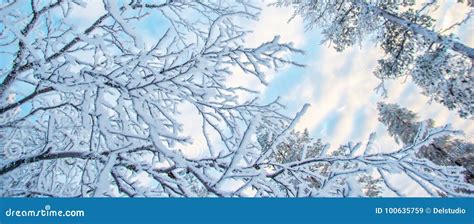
[102,105]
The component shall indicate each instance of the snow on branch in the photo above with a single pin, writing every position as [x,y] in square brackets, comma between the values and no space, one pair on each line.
[105,109]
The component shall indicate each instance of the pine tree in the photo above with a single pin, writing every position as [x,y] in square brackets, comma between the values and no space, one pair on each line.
[403,125]
[400,122]
[372,186]
[447,78]
[297,146]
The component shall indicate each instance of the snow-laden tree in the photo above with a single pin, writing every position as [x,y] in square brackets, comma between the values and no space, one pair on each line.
[403,125]
[102,103]
[435,59]
[308,167]
[97,110]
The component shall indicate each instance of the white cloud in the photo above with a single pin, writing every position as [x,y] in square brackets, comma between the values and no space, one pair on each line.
[341,85]
[274,21]
[85,16]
